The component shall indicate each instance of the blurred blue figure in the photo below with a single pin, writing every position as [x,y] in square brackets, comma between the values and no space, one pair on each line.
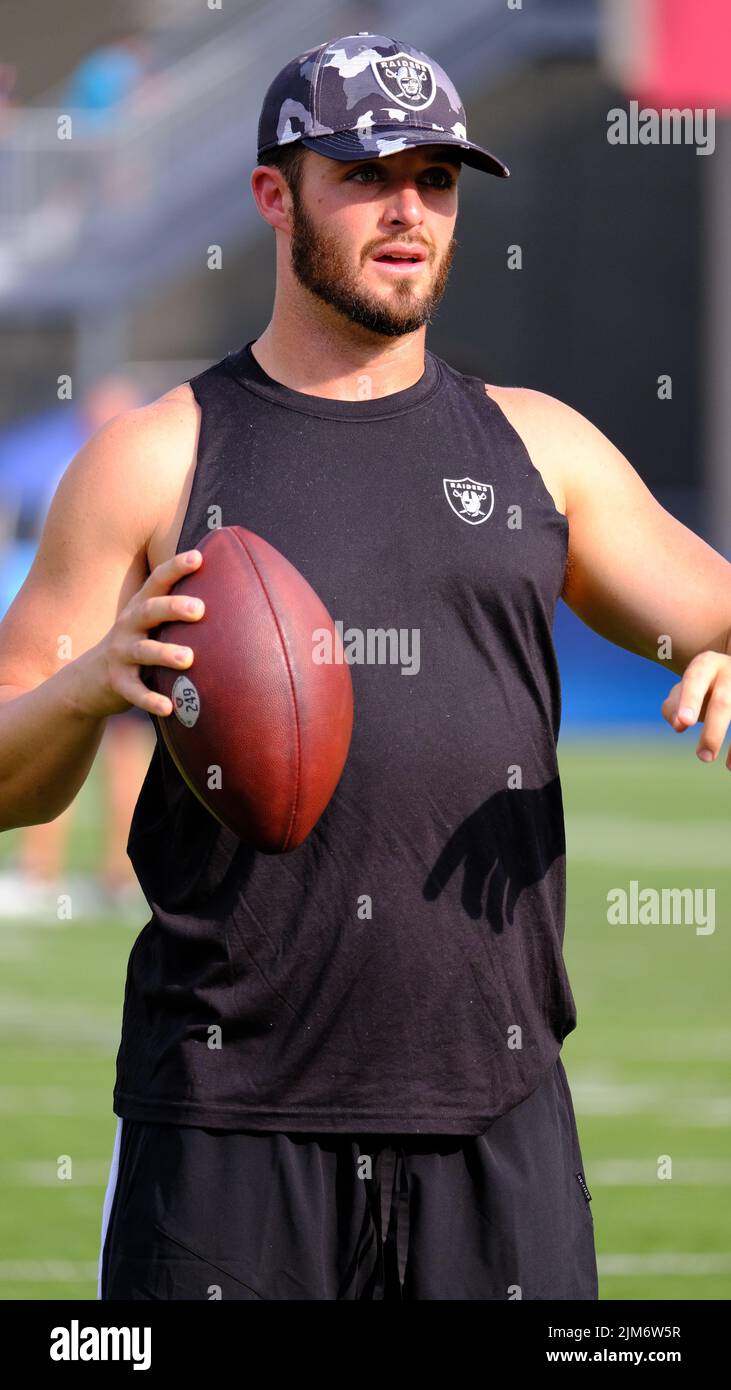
[106,77]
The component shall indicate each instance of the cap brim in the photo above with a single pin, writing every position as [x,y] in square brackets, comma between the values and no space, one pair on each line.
[351,145]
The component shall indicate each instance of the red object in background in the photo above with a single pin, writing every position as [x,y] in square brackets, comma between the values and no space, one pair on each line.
[671,52]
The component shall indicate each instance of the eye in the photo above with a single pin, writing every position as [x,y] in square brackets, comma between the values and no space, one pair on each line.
[366,169]
[448,180]
[445,175]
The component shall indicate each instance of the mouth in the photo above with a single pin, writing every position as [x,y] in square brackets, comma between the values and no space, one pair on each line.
[401,260]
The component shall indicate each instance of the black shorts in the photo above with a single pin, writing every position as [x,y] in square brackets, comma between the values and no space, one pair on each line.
[198,1213]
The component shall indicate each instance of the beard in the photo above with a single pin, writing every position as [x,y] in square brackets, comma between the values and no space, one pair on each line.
[319,265]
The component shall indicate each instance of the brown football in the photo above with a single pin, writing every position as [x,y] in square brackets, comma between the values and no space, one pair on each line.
[260,731]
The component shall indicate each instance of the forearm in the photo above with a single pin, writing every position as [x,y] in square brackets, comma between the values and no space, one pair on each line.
[47,746]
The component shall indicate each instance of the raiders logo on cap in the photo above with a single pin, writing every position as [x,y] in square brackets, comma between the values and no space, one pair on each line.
[407,80]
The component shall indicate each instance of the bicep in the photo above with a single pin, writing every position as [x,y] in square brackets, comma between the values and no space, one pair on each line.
[91,559]
[636,574]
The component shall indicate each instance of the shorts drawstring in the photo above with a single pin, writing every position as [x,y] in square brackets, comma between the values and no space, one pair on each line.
[402,1218]
[390,1194]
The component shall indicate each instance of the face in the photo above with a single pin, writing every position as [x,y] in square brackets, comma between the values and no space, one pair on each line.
[346,213]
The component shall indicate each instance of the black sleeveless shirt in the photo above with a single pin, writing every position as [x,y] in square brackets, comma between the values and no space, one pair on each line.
[402,970]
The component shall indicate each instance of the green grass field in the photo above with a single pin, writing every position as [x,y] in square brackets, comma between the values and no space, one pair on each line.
[648,1063]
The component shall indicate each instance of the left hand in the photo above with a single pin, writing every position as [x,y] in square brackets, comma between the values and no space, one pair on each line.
[704,692]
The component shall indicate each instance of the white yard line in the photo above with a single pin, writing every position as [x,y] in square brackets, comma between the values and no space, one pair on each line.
[602,1172]
[66,1021]
[47,1271]
[682,1102]
[54,1100]
[609,1266]
[642,1172]
[595,838]
[665,1263]
[42,1172]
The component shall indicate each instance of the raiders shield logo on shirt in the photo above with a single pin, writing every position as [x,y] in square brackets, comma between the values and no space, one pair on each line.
[473,502]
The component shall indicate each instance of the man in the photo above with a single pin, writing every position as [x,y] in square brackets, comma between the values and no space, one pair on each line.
[339,1074]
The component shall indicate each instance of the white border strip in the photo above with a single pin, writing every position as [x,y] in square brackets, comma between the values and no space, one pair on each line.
[108,1199]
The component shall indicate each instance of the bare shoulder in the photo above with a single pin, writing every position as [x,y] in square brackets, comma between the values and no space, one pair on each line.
[539,419]
[178,419]
[162,440]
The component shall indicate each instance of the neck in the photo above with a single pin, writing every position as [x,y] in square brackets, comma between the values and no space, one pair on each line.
[337,359]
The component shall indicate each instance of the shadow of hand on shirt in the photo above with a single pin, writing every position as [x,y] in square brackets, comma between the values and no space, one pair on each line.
[506,844]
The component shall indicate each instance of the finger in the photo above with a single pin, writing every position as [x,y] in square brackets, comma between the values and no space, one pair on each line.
[669,706]
[162,578]
[717,720]
[694,688]
[672,714]
[133,690]
[165,608]
[148,652]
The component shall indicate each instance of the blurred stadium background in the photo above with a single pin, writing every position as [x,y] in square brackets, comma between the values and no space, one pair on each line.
[626,278]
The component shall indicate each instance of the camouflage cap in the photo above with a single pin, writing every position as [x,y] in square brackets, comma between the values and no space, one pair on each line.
[364,95]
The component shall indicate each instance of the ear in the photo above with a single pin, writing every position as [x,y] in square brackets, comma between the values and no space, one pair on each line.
[273,196]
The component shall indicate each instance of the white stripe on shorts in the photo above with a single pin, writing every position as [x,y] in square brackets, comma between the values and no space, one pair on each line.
[108,1199]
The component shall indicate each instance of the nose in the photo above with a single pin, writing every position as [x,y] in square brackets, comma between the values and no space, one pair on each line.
[404,207]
